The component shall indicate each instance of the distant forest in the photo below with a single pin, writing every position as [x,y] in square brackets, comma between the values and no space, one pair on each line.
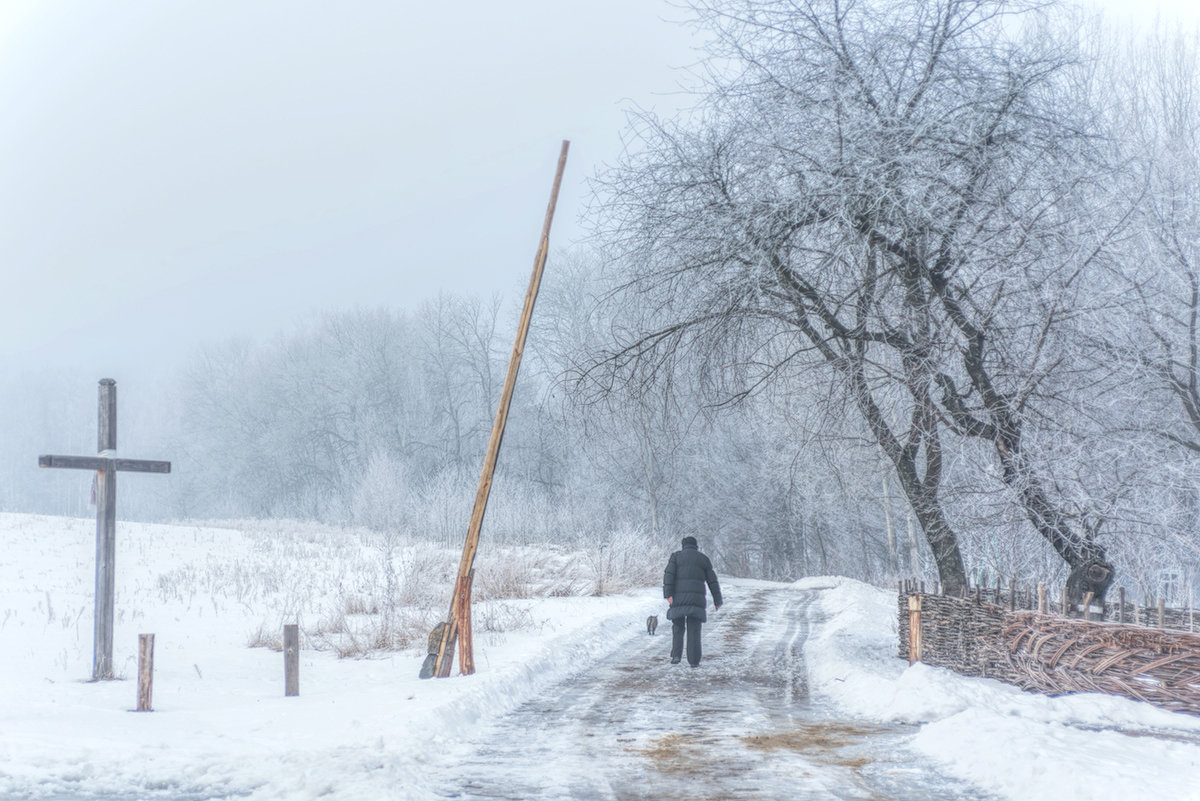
[911,289]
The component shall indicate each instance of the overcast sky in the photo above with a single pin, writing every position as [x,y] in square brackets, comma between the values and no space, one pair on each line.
[175,172]
[180,172]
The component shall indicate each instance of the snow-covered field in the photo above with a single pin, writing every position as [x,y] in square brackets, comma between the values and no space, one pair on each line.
[361,728]
[368,728]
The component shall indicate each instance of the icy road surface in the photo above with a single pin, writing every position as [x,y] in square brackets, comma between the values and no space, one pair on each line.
[740,725]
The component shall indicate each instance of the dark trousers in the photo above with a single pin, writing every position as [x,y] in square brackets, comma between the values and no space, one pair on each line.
[692,625]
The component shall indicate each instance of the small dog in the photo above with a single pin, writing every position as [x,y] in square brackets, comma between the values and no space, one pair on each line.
[652,624]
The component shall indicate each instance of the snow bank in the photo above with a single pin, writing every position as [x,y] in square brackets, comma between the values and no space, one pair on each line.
[1016,744]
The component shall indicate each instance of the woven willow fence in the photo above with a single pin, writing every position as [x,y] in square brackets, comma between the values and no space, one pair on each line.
[1053,654]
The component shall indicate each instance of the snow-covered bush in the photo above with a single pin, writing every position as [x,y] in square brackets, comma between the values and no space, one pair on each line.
[380,498]
[625,559]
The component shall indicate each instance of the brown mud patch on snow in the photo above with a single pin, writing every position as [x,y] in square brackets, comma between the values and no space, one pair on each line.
[828,742]
[677,753]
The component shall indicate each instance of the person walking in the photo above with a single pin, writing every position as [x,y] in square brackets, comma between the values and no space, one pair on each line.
[684,580]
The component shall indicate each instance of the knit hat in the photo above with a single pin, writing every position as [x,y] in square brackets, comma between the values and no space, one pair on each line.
[689,541]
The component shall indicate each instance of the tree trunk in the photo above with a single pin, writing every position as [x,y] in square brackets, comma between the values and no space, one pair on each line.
[1091,572]
[893,563]
[921,490]
[914,545]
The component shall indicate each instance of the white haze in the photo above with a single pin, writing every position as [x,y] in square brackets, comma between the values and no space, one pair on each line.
[172,174]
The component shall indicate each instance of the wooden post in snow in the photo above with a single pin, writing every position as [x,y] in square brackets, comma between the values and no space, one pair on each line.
[145,689]
[914,629]
[291,659]
[459,624]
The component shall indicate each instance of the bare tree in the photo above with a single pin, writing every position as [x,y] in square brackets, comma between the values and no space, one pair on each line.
[1160,116]
[1151,404]
[459,348]
[893,194]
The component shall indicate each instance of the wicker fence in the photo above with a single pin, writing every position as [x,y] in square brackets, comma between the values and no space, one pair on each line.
[1052,653]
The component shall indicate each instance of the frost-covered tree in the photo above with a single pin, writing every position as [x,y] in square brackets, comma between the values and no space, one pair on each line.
[887,198]
[1150,408]
[1160,117]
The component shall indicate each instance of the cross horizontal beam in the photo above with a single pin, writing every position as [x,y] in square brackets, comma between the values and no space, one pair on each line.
[101,463]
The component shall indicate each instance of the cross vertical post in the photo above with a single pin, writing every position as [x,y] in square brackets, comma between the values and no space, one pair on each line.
[106,533]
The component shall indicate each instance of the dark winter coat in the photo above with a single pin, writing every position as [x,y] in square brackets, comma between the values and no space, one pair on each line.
[688,571]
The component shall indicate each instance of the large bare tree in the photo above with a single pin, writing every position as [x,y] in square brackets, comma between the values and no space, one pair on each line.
[895,194]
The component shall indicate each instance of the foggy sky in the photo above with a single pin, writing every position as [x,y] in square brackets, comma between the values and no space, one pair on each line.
[179,173]
[172,173]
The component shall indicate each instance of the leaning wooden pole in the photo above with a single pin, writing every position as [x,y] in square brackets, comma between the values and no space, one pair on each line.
[460,605]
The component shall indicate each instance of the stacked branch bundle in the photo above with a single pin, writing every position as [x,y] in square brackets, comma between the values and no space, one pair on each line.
[1056,655]
[986,634]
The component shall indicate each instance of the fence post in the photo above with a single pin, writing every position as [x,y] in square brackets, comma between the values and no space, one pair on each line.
[145,688]
[914,629]
[1041,597]
[1063,606]
[291,659]
[1162,613]
[1087,605]
[1120,604]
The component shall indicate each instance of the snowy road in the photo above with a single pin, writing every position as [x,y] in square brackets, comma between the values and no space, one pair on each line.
[740,726]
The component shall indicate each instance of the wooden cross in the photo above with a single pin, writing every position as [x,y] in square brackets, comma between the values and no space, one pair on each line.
[106,465]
